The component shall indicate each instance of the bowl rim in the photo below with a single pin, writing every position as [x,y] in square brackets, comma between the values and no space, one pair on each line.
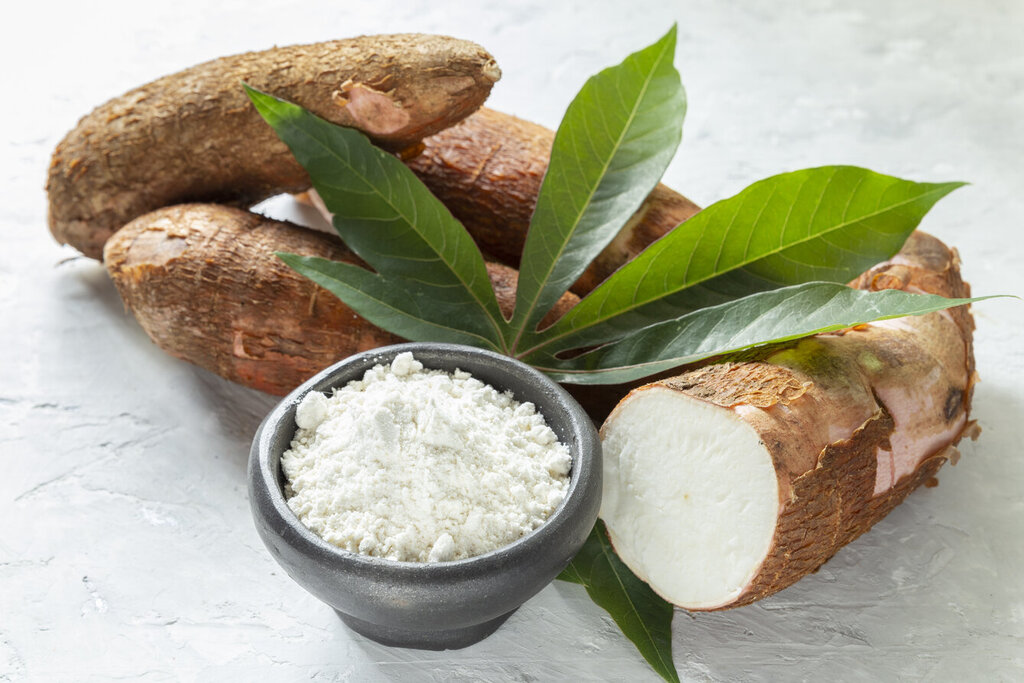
[584,449]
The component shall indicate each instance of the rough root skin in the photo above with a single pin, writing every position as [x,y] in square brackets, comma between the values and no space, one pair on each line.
[854,421]
[194,136]
[204,283]
[487,170]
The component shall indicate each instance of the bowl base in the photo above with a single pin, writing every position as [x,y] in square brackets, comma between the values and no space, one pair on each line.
[441,639]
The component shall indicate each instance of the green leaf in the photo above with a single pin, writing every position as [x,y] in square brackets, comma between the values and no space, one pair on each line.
[644,617]
[763,318]
[396,306]
[611,149]
[388,217]
[820,224]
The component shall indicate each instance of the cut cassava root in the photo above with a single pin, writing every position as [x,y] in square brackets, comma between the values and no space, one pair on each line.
[204,283]
[193,135]
[735,479]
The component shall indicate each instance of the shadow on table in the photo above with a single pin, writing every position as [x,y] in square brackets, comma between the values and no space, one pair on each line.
[88,303]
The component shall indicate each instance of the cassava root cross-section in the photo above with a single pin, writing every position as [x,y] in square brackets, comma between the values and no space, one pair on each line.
[735,479]
[194,136]
[204,283]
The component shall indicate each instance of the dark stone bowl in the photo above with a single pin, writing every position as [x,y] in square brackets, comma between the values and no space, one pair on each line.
[435,605]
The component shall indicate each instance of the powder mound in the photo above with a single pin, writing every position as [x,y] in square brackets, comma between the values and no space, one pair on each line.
[422,466]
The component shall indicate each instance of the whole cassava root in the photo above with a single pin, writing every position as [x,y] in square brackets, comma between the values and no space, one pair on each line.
[194,136]
[733,480]
[205,285]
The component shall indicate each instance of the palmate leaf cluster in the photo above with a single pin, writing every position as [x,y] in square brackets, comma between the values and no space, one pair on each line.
[701,291]
[763,266]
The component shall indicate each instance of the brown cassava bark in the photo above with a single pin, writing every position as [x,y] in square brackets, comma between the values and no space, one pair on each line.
[487,170]
[205,285]
[854,421]
[194,136]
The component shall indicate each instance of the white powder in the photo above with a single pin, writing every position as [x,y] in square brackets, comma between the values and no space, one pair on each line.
[422,465]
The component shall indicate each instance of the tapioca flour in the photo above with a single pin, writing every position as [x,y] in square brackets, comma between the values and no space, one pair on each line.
[422,465]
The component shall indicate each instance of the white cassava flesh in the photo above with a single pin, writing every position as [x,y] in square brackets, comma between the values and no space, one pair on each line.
[710,485]
[733,480]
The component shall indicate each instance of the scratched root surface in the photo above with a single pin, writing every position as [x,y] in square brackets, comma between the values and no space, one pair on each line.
[127,549]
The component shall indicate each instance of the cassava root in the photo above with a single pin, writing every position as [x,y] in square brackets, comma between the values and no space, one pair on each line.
[204,283]
[194,136]
[488,169]
[735,479]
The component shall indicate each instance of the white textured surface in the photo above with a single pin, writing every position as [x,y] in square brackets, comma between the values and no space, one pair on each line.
[126,548]
[710,484]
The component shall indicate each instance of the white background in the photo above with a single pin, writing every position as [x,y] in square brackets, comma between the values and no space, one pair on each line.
[126,545]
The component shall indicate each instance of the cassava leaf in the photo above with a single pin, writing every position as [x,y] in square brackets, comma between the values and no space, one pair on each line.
[820,224]
[612,147]
[644,617]
[762,318]
[388,217]
[396,306]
